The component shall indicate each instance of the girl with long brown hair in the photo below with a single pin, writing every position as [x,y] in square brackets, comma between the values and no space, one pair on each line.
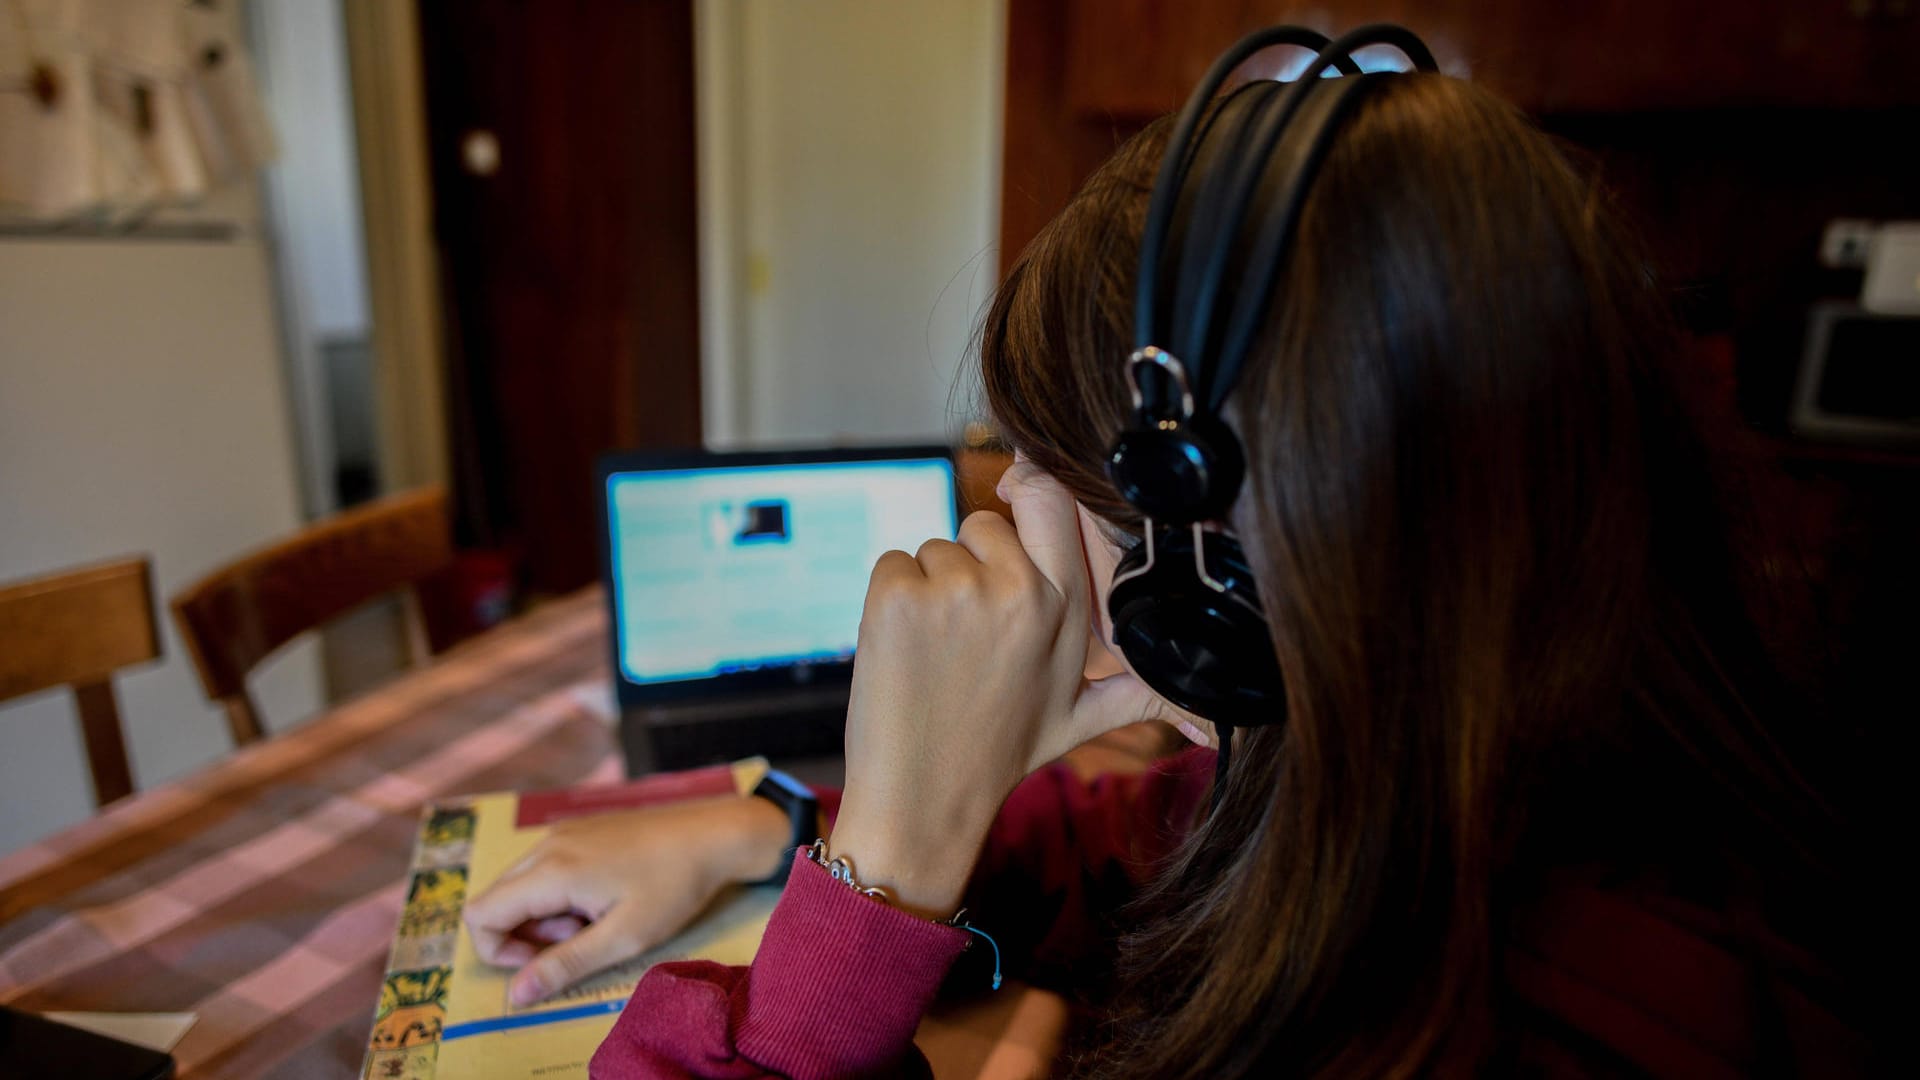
[1540,802]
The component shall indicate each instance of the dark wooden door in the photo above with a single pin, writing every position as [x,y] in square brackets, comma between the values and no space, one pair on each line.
[562,145]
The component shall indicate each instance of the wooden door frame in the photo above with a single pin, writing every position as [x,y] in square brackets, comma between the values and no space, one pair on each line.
[720,157]
[390,130]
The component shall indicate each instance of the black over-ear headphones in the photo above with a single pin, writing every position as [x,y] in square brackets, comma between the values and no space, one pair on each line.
[1184,607]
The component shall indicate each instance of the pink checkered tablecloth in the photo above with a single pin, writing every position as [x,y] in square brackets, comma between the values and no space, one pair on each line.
[262,893]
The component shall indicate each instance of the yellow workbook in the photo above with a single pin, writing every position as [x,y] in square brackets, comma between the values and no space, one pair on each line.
[443,1012]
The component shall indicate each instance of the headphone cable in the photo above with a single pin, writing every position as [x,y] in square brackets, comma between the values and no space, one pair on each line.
[1224,732]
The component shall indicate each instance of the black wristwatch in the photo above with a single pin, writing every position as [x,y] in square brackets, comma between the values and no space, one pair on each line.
[803,815]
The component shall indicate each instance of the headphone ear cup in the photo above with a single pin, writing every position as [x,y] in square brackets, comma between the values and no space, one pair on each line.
[1206,650]
[1180,471]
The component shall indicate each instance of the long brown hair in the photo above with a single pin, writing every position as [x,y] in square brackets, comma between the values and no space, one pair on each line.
[1494,561]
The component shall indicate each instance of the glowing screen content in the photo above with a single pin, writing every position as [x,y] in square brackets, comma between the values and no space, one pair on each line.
[741,568]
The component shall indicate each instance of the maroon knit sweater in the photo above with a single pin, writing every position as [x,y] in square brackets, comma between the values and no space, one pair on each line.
[1614,981]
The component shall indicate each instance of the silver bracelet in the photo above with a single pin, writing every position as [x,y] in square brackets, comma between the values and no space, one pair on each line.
[841,870]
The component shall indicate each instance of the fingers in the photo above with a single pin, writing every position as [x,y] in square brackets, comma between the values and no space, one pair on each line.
[938,558]
[599,945]
[1048,523]
[1045,533]
[984,535]
[552,931]
[985,539]
[493,916]
[895,567]
[990,538]
[514,953]
[528,939]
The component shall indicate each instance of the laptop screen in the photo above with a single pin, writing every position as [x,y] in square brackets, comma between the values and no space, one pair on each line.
[726,569]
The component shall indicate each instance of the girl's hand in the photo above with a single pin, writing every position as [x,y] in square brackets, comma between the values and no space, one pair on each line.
[603,889]
[967,677]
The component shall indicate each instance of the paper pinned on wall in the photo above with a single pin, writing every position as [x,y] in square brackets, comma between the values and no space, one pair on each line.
[111,107]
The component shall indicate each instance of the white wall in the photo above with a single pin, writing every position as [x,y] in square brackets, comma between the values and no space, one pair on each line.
[141,410]
[850,169]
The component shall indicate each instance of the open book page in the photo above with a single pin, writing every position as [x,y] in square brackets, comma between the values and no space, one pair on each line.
[444,1013]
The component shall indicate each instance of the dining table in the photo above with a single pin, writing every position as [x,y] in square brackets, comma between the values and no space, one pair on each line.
[261,893]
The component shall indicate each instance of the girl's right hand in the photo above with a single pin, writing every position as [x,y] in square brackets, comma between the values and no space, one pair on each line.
[972,671]
[600,890]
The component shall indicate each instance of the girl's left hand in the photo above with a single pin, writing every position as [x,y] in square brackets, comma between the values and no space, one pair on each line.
[968,676]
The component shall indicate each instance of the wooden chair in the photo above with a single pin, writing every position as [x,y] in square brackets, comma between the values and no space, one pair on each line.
[241,614]
[76,629]
[979,472]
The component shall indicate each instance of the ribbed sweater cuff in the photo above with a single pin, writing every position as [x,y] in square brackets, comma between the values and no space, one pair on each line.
[841,980]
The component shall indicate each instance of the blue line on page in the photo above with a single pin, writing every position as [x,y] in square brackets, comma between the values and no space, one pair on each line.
[520,1020]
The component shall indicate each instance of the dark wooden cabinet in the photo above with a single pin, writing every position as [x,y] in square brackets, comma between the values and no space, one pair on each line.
[1138,58]
[1084,74]
[562,149]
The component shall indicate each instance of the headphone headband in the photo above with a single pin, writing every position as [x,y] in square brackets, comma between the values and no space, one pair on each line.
[1183,605]
[1212,371]
[1173,167]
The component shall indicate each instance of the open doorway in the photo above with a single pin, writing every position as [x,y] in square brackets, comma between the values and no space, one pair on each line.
[315,224]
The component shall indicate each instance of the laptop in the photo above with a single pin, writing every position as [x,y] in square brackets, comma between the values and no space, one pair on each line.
[734,586]
[32,1045]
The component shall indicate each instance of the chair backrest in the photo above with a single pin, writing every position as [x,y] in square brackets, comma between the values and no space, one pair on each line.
[979,473]
[240,614]
[76,628]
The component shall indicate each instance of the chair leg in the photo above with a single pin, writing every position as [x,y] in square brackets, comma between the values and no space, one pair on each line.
[243,719]
[413,622]
[106,747]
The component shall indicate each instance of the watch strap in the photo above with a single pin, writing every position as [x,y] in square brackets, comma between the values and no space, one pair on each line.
[803,816]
